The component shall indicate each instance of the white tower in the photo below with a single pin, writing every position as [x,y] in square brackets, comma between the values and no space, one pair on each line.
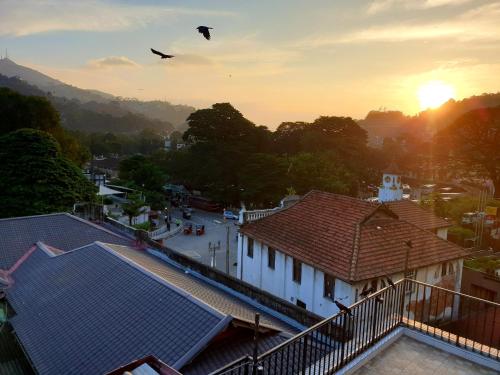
[391,188]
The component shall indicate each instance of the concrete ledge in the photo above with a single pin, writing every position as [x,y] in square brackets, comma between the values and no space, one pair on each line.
[371,353]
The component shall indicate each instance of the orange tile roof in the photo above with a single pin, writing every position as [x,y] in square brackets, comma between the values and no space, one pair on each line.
[349,238]
[413,213]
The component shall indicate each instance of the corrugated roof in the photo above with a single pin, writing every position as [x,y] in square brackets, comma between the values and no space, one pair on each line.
[209,294]
[88,312]
[61,231]
[337,235]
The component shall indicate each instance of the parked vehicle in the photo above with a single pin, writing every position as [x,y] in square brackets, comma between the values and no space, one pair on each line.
[200,229]
[188,228]
[186,214]
[230,215]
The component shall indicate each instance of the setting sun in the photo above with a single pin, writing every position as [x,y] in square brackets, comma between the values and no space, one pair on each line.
[434,93]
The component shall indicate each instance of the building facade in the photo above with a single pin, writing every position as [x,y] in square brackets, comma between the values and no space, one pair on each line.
[316,252]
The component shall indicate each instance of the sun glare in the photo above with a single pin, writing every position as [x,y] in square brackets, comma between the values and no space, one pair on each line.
[434,93]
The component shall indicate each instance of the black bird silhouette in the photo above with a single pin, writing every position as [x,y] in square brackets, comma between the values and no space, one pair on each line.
[367,292]
[409,243]
[163,56]
[390,282]
[343,308]
[205,31]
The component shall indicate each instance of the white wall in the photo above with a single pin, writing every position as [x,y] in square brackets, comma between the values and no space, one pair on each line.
[279,281]
[442,233]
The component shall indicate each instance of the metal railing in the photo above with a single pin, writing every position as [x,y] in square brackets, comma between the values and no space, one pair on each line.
[465,321]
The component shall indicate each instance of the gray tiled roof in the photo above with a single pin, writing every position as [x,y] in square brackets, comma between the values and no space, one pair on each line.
[209,294]
[62,231]
[90,311]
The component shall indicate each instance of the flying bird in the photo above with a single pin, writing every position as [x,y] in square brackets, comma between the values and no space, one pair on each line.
[163,56]
[205,30]
[343,308]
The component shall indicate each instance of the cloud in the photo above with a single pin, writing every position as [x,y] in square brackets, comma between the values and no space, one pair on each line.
[378,6]
[476,25]
[25,17]
[112,61]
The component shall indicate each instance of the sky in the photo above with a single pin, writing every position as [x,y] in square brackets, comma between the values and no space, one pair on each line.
[274,60]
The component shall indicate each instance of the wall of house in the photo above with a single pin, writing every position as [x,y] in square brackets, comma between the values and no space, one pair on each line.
[442,233]
[279,281]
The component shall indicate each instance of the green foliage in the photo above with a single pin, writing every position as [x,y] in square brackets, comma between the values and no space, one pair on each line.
[142,173]
[455,208]
[36,178]
[484,264]
[472,143]
[133,207]
[18,111]
[460,234]
[144,226]
[145,142]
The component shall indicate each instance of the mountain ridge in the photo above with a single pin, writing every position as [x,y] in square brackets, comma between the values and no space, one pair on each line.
[95,100]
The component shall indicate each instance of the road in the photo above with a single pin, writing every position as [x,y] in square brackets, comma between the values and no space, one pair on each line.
[197,246]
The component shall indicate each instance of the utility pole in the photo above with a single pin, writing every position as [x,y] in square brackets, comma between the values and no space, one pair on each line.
[211,250]
[227,250]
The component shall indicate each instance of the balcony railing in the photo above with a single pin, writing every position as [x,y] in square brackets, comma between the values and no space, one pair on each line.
[465,321]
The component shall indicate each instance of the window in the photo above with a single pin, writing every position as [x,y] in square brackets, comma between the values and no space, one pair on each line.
[329,287]
[443,269]
[250,248]
[271,258]
[297,271]
[301,304]
[451,270]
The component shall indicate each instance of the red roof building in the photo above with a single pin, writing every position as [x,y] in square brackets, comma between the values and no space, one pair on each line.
[341,238]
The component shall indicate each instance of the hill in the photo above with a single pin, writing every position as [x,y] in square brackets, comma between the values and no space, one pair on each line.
[97,101]
[380,124]
[76,115]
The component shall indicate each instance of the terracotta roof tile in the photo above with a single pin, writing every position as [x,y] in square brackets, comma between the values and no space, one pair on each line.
[321,230]
[413,213]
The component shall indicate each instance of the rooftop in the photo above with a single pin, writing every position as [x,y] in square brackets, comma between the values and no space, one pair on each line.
[408,356]
[349,238]
[213,296]
[90,311]
[61,230]
[411,212]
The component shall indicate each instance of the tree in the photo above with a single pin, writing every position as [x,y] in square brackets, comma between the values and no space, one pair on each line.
[133,207]
[472,143]
[142,173]
[36,178]
[19,111]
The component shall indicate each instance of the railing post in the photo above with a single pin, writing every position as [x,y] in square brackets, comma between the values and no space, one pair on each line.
[374,323]
[402,294]
[304,355]
[255,344]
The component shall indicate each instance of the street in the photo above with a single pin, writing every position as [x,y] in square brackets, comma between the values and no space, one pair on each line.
[197,247]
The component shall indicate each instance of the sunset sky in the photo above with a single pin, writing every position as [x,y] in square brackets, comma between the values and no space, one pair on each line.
[275,60]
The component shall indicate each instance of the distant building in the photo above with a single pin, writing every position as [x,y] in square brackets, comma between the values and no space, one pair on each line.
[329,246]
[391,188]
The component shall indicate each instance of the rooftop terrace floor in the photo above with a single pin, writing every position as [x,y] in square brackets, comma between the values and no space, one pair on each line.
[407,356]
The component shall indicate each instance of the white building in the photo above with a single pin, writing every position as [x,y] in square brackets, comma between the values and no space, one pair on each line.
[391,188]
[331,247]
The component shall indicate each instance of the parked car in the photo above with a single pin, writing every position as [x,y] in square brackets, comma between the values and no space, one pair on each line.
[230,215]
[186,214]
